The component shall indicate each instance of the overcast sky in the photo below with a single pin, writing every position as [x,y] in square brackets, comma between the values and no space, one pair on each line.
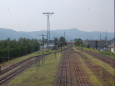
[85,15]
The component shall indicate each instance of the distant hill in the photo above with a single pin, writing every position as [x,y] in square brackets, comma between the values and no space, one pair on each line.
[70,34]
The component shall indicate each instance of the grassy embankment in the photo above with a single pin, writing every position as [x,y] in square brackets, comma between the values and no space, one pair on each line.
[18,59]
[104,52]
[100,63]
[43,75]
[7,63]
[93,79]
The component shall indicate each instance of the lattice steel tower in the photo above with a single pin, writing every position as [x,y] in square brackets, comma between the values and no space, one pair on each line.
[48,14]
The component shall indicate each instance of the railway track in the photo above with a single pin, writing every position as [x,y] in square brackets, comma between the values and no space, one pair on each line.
[5,70]
[79,71]
[70,71]
[97,69]
[62,75]
[101,57]
[19,67]
[14,65]
[5,77]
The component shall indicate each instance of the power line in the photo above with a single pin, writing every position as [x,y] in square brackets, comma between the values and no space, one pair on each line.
[48,14]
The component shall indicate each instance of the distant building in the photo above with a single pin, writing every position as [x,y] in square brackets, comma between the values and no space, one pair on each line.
[98,44]
[112,47]
[50,46]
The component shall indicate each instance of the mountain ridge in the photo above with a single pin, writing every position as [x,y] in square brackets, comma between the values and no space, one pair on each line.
[70,34]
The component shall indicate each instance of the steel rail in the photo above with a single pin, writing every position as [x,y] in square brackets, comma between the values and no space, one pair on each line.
[13,66]
[103,58]
[19,63]
[17,71]
[82,80]
[102,69]
[22,67]
[69,68]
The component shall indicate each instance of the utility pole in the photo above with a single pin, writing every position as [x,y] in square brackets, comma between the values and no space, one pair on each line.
[54,40]
[99,45]
[106,40]
[42,47]
[100,36]
[48,14]
[106,35]
[64,33]
[64,37]
[8,50]
[114,34]
[114,27]
[42,42]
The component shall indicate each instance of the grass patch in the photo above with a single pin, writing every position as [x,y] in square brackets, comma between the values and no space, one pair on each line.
[88,49]
[43,75]
[92,77]
[108,53]
[100,63]
[93,80]
[18,59]
[104,52]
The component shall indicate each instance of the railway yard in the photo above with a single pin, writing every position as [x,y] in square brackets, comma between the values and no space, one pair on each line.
[72,67]
[57,43]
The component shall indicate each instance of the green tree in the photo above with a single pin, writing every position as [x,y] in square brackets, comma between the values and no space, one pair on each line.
[16,48]
[78,42]
[62,41]
[56,41]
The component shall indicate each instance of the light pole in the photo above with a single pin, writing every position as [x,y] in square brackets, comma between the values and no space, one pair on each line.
[48,14]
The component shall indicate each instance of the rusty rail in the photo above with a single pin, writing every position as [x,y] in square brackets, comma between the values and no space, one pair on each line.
[70,71]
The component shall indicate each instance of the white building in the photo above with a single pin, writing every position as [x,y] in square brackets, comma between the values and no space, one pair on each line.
[112,48]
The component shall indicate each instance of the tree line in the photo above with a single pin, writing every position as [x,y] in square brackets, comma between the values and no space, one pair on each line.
[16,48]
[60,42]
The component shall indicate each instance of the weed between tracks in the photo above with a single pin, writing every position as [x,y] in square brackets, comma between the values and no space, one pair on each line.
[93,78]
[104,52]
[43,75]
[108,68]
[102,64]
[108,53]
